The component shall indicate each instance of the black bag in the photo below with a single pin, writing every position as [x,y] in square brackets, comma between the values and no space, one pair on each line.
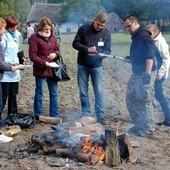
[23,120]
[21,56]
[60,73]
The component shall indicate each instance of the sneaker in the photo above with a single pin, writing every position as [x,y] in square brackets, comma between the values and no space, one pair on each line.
[101,120]
[5,139]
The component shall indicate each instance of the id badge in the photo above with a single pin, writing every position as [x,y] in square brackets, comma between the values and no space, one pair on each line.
[101,43]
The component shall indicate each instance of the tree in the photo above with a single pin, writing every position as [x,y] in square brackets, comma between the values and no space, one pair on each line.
[5,11]
[18,8]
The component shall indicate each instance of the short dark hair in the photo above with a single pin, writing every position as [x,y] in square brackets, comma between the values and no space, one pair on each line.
[131,17]
[11,21]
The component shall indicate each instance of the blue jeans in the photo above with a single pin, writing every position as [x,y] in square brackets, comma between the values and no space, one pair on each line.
[83,75]
[160,97]
[52,87]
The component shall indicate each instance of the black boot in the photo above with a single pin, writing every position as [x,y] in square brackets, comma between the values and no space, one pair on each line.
[166,122]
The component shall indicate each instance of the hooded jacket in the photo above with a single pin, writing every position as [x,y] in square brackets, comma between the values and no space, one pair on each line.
[141,49]
[164,59]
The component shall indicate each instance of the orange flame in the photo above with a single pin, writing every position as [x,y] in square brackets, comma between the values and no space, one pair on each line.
[96,149]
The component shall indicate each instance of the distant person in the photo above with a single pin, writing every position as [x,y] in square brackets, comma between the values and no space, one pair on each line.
[24,35]
[163,62]
[68,30]
[57,34]
[3,65]
[43,49]
[139,95]
[30,30]
[10,80]
[35,28]
[92,39]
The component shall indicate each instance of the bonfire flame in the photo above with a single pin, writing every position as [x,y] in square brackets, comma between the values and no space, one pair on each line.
[96,149]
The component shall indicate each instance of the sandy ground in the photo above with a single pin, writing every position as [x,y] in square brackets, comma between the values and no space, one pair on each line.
[153,153]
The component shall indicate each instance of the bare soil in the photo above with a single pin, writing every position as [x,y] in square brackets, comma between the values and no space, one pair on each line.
[153,153]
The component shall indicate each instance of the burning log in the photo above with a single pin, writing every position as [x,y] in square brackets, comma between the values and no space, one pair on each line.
[64,152]
[50,120]
[127,152]
[112,157]
[51,149]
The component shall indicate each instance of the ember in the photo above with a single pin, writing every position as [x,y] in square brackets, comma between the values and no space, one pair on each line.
[96,149]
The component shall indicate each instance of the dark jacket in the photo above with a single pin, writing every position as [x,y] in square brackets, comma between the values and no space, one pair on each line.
[141,49]
[39,48]
[3,66]
[87,37]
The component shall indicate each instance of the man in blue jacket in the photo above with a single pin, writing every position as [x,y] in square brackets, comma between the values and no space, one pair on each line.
[139,95]
[91,40]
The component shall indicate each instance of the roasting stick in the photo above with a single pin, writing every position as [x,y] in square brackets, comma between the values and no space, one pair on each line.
[108,55]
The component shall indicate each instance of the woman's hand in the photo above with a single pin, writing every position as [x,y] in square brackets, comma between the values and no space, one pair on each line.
[14,68]
[52,56]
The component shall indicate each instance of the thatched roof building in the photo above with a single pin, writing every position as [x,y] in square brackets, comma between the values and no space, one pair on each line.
[40,10]
[115,24]
[53,11]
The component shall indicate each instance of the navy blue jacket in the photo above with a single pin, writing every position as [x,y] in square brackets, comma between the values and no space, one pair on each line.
[141,49]
[87,37]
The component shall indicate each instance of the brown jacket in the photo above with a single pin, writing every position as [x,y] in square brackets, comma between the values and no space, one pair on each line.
[39,48]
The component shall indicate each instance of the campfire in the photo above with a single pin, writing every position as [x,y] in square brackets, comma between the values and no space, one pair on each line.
[94,148]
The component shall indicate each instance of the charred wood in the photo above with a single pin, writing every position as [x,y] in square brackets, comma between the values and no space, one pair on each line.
[69,153]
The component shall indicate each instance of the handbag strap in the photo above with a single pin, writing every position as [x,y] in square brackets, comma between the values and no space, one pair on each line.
[61,58]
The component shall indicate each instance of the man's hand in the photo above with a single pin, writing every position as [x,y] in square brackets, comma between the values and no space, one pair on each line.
[127,59]
[93,50]
[147,79]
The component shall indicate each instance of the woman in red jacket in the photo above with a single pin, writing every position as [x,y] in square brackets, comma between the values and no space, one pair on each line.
[43,50]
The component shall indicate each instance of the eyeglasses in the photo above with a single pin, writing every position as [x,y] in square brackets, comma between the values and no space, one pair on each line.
[128,26]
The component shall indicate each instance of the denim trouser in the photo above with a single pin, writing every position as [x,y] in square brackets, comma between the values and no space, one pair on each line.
[160,97]
[83,83]
[52,87]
